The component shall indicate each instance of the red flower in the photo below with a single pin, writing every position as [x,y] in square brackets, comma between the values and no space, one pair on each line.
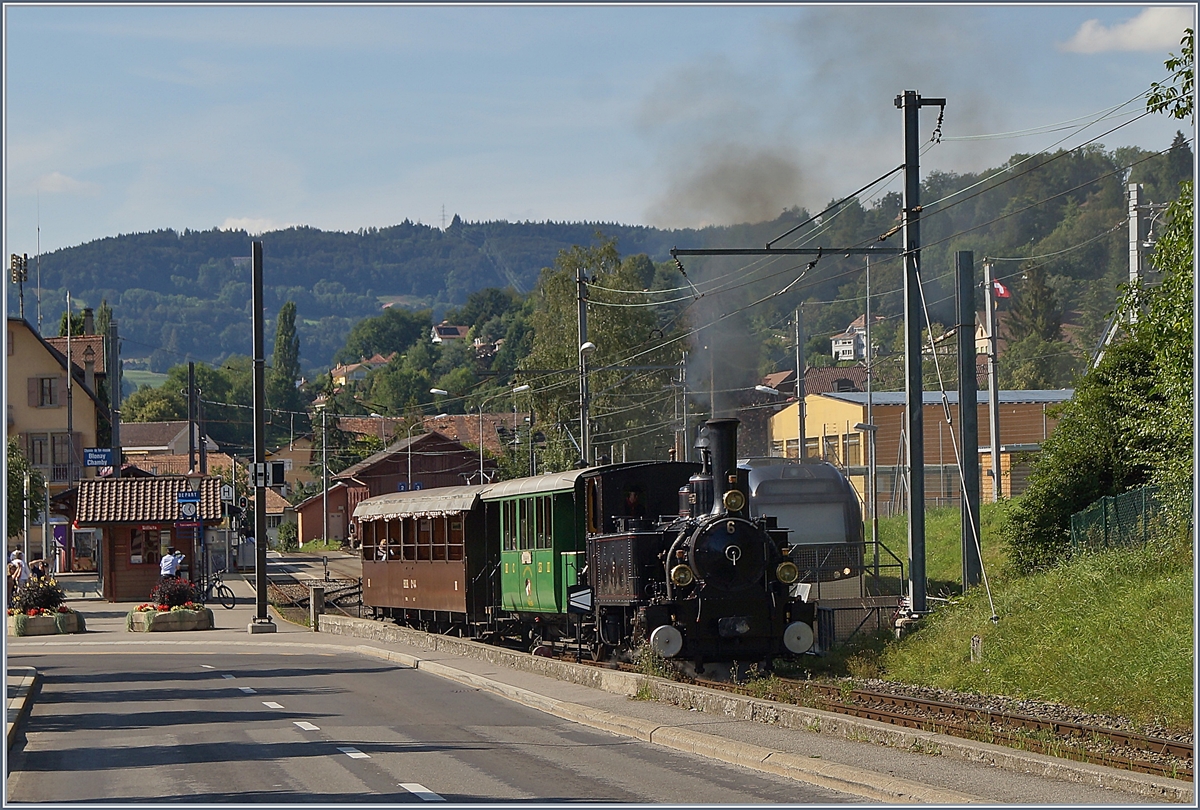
[35,611]
[63,609]
[164,607]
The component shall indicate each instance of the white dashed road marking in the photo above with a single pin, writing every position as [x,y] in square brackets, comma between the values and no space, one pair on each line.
[208,666]
[305,725]
[247,690]
[354,753]
[421,792]
[270,704]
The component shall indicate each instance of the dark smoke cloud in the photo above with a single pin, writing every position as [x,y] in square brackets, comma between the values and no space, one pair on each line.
[810,116]
[733,183]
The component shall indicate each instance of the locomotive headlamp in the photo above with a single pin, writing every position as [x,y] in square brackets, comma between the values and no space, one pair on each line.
[734,500]
[787,572]
[682,576]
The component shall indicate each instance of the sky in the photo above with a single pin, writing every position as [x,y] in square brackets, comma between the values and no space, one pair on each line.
[125,119]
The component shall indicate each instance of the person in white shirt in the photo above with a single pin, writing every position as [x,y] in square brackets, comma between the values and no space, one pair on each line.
[168,567]
[22,568]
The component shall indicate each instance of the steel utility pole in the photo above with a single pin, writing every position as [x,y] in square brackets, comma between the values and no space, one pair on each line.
[585,348]
[262,621]
[191,395]
[112,357]
[968,419]
[910,102]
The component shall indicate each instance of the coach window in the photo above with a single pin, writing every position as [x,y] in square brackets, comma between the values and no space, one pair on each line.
[509,530]
[424,538]
[524,530]
[457,541]
[406,539]
[545,521]
[369,543]
[439,538]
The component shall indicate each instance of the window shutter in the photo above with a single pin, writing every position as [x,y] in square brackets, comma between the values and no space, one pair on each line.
[33,392]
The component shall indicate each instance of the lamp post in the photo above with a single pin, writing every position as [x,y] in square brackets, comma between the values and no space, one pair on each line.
[410,430]
[872,488]
[485,401]
[520,389]
[766,389]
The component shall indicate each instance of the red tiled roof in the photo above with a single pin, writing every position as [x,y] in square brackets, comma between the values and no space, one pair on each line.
[79,344]
[178,464]
[138,500]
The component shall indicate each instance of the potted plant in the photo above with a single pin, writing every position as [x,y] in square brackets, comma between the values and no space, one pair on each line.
[174,605]
[38,609]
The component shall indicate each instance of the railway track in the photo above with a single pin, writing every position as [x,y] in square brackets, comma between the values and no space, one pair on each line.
[1065,739]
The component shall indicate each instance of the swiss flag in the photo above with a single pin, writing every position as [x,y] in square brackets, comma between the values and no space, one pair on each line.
[1000,290]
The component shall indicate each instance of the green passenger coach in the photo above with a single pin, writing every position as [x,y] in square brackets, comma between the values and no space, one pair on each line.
[541,540]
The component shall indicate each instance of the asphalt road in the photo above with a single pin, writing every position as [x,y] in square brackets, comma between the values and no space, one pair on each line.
[133,724]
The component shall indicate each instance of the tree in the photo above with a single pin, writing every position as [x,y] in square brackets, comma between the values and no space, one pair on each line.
[393,331]
[1130,421]
[282,394]
[1176,96]
[631,408]
[76,324]
[18,465]
[103,317]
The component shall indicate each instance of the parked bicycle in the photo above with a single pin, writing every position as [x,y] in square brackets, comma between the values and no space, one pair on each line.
[214,587]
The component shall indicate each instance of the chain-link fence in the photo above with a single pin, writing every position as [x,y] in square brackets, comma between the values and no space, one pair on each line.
[1116,520]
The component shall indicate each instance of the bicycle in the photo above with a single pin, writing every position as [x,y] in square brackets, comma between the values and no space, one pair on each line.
[224,594]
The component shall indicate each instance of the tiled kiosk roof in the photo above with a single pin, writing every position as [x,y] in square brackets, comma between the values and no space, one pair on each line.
[138,500]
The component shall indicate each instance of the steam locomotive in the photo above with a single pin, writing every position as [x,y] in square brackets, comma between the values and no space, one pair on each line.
[666,554]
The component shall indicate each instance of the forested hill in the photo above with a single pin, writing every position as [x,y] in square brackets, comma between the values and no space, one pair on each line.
[188,293]
[181,295]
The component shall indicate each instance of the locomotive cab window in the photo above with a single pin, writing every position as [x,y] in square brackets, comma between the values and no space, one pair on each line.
[592,499]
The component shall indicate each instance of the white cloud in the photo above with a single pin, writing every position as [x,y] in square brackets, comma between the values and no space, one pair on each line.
[59,183]
[255,226]
[1155,29]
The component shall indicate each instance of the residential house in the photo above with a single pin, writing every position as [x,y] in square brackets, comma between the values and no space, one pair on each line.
[343,375]
[446,331]
[51,439]
[852,343]
[162,439]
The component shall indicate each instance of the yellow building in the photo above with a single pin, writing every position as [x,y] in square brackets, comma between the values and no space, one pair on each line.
[830,434]
[37,411]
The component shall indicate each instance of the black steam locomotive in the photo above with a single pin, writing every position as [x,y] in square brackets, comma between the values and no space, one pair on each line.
[658,553]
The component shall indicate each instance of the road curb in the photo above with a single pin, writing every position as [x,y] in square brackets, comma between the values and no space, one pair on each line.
[740,707]
[19,685]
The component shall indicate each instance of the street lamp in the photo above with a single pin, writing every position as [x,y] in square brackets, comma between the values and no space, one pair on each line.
[766,389]
[520,389]
[410,430]
[486,400]
[871,430]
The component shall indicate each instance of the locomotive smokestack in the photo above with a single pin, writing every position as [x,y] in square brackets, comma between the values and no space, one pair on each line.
[722,442]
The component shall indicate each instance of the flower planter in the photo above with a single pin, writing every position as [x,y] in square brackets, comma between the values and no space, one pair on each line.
[154,621]
[45,625]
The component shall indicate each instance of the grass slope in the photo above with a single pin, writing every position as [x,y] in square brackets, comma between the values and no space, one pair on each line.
[1108,633]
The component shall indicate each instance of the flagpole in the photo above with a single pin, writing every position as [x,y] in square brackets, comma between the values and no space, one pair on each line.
[993,379]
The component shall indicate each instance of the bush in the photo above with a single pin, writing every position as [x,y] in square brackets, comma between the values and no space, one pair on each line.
[39,593]
[289,535]
[174,593]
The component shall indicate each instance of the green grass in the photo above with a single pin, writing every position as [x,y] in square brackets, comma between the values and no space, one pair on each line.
[140,377]
[943,544]
[322,545]
[1108,633]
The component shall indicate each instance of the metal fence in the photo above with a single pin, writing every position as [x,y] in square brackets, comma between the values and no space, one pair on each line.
[1116,521]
